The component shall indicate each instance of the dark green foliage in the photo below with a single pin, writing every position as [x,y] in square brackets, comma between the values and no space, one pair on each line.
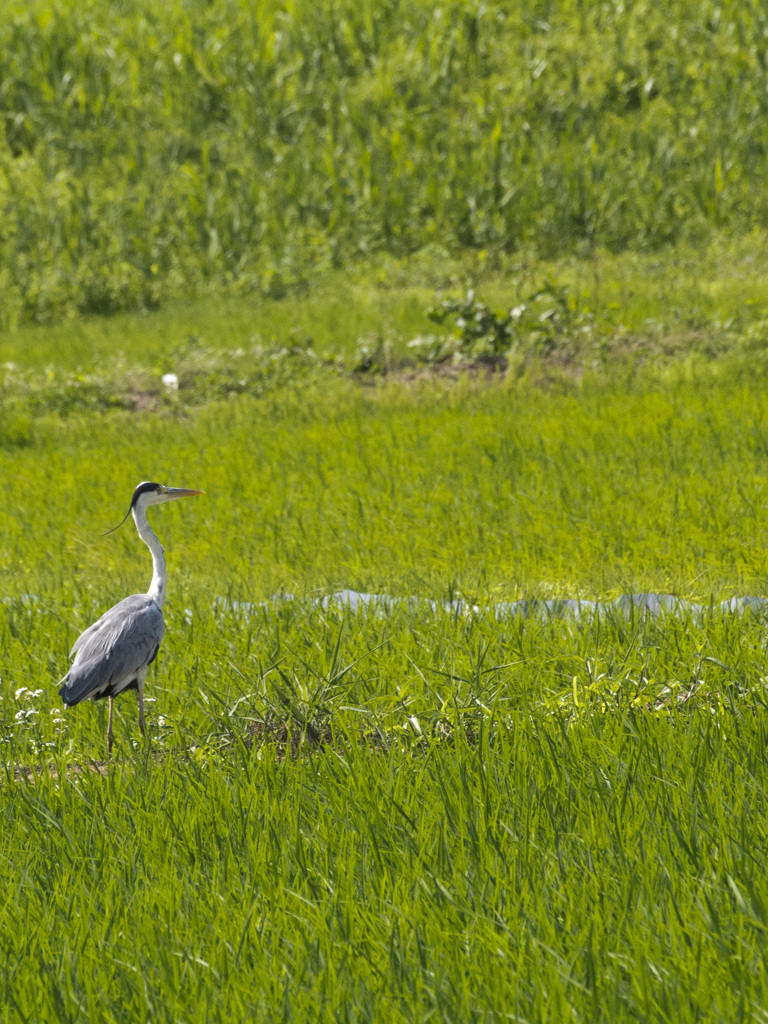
[539,324]
[481,331]
[151,149]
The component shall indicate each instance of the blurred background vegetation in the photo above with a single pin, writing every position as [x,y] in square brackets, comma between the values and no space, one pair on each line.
[152,149]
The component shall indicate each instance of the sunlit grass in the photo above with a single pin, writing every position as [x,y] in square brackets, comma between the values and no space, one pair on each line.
[424,809]
[406,811]
[498,821]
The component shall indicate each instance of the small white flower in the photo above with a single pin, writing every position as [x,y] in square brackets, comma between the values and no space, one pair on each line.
[161,722]
[21,689]
[171,382]
[35,693]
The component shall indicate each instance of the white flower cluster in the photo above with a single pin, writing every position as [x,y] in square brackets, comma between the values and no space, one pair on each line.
[25,713]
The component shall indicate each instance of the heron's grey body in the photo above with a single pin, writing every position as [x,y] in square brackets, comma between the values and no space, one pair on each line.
[114,653]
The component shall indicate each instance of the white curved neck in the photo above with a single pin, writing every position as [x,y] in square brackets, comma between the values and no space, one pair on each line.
[159,575]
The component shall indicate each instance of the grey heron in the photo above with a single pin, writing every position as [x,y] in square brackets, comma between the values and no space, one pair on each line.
[113,654]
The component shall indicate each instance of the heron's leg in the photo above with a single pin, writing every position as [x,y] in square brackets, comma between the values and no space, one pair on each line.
[110,734]
[140,691]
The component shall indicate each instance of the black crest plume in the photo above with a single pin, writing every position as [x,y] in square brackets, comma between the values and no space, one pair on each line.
[143,488]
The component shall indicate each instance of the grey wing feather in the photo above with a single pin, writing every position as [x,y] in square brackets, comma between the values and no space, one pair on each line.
[87,633]
[111,652]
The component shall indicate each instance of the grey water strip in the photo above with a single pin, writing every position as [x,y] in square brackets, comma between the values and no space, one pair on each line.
[531,608]
[528,608]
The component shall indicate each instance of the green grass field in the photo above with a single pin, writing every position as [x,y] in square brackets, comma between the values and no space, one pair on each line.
[423,808]
[398,813]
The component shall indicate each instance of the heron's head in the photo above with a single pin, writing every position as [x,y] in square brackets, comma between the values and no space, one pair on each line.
[151,493]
